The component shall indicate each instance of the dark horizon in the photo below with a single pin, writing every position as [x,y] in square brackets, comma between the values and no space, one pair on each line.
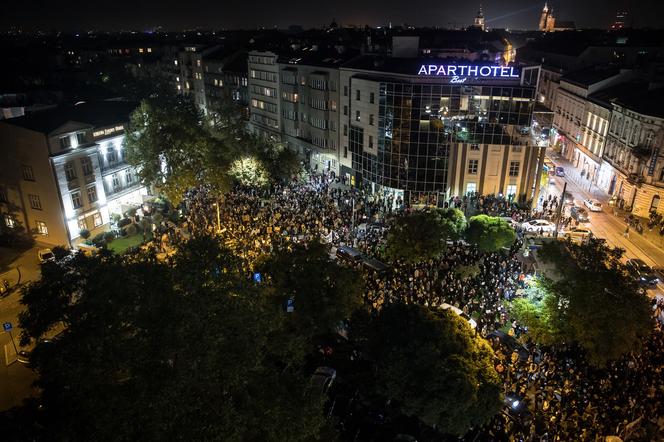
[71,15]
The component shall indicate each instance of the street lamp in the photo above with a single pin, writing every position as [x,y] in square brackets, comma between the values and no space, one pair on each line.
[218,217]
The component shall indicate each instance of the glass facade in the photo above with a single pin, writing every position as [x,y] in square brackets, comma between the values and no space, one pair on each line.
[418,125]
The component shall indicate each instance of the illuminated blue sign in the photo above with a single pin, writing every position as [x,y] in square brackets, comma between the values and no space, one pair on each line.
[459,73]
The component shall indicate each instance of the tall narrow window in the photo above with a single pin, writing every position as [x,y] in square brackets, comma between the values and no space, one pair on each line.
[70,171]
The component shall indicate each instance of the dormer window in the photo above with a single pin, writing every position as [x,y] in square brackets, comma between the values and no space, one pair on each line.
[65,142]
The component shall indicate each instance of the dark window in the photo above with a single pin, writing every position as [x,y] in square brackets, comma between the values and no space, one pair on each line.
[514,168]
[27,173]
[35,203]
[76,200]
[371,97]
[65,142]
[80,137]
[357,94]
[472,166]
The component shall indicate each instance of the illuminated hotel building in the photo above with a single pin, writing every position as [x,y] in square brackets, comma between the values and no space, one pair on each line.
[427,130]
[64,170]
[424,130]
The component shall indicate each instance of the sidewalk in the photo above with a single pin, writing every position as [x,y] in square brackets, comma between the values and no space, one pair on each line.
[589,190]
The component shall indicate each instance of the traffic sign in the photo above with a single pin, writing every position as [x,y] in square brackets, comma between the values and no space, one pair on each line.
[7,326]
[290,305]
[258,278]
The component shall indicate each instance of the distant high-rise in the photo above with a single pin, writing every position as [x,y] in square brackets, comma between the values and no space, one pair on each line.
[479,19]
[621,21]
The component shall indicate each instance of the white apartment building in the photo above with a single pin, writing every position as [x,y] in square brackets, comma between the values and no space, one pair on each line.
[64,170]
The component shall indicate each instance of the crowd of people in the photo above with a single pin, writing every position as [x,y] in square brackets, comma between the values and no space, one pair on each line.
[565,399]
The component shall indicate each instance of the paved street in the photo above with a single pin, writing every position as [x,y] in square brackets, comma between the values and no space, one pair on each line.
[15,378]
[605,225]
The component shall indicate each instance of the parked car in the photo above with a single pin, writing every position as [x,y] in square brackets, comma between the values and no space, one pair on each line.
[578,234]
[510,221]
[349,254]
[579,213]
[537,225]
[560,171]
[593,205]
[45,255]
[510,344]
[323,378]
[460,312]
[568,198]
[642,272]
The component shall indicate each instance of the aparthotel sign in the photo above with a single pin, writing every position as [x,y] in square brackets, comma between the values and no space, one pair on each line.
[460,73]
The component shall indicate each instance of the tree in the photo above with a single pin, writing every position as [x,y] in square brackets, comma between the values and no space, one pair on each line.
[589,300]
[323,292]
[490,233]
[249,172]
[85,233]
[416,237]
[173,149]
[454,221]
[434,367]
[147,354]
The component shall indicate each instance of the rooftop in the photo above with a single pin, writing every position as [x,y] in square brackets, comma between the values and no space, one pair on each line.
[96,114]
[589,76]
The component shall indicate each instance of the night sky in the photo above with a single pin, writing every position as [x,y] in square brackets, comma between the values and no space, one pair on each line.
[234,14]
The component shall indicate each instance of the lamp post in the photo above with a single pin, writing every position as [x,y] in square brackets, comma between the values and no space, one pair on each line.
[218,217]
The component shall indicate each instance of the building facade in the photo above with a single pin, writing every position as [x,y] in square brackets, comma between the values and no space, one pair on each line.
[423,134]
[581,118]
[634,153]
[65,171]
[264,93]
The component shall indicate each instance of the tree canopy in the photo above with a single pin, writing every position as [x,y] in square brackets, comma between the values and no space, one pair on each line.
[490,233]
[323,292]
[589,300]
[176,147]
[434,367]
[155,351]
[417,236]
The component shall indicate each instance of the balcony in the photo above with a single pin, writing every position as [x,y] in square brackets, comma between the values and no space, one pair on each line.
[635,179]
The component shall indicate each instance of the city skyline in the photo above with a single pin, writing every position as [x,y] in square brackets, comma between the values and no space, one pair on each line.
[514,14]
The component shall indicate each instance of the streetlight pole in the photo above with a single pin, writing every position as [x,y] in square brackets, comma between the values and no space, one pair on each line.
[218,217]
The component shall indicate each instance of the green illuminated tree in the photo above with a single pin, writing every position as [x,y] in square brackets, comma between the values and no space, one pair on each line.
[589,300]
[490,233]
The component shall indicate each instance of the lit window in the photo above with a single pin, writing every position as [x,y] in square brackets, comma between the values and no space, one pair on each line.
[81,223]
[357,115]
[10,221]
[96,218]
[42,228]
